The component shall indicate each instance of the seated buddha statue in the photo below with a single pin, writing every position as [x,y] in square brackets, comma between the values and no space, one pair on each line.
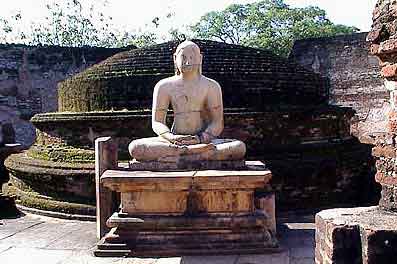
[198,116]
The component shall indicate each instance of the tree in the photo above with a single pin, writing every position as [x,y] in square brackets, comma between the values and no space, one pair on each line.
[75,24]
[269,24]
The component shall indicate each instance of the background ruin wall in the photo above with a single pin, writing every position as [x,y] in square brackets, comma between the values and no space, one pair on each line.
[29,77]
[353,77]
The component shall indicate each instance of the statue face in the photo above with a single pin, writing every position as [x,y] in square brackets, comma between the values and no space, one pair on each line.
[188,59]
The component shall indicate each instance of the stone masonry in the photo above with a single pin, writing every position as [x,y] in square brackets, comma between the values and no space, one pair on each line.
[369,235]
[28,79]
[384,46]
[356,235]
[353,77]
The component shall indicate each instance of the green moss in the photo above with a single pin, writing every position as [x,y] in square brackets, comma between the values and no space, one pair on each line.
[22,162]
[35,200]
[62,154]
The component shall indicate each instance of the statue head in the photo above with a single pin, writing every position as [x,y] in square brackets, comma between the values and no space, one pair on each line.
[187,58]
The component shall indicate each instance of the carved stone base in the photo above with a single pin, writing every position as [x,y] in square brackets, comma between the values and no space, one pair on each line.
[190,212]
[188,235]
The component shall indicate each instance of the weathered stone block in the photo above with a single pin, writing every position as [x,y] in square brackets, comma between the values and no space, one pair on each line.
[385,151]
[389,71]
[386,178]
[190,212]
[388,46]
[388,200]
[374,49]
[379,246]
[356,235]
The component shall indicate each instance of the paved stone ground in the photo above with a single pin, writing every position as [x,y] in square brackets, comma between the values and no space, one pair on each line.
[41,240]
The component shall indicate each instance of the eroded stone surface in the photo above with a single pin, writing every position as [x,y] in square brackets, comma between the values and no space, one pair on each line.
[356,235]
[190,212]
[384,46]
[297,239]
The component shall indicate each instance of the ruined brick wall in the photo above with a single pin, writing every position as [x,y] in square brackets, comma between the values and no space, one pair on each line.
[383,38]
[369,235]
[29,75]
[353,77]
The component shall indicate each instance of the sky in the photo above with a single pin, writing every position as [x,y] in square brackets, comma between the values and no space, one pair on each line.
[129,14]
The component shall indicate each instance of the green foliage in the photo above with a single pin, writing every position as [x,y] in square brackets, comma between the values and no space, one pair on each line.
[270,24]
[8,31]
[73,23]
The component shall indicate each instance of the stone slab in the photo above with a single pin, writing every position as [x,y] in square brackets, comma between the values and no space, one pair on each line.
[365,235]
[82,238]
[192,165]
[210,259]
[206,249]
[124,181]
[33,256]
[10,227]
[203,222]
[165,235]
[40,235]
[121,180]
[4,247]
[281,257]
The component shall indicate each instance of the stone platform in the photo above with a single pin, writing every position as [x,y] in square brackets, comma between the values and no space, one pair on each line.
[190,212]
[33,239]
[365,235]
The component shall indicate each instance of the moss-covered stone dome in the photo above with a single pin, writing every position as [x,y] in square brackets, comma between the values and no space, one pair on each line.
[250,78]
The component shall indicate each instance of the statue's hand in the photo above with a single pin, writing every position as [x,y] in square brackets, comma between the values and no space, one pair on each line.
[181,139]
[186,140]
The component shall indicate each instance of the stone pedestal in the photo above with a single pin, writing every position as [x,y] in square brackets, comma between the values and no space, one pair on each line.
[185,212]
[356,235]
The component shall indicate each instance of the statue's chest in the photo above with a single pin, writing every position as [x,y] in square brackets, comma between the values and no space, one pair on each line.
[186,99]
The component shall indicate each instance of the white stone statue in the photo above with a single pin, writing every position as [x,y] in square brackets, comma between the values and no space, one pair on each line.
[198,116]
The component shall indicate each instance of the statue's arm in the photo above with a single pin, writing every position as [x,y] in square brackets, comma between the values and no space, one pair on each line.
[161,102]
[215,107]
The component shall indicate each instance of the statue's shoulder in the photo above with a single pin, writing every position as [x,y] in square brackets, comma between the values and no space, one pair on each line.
[165,83]
[211,83]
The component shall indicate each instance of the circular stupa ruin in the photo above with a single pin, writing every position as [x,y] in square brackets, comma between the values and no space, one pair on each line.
[277,107]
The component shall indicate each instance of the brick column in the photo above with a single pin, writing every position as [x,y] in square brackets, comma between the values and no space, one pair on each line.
[369,235]
[383,38]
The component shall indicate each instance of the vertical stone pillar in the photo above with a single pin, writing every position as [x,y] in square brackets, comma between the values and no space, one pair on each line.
[105,159]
